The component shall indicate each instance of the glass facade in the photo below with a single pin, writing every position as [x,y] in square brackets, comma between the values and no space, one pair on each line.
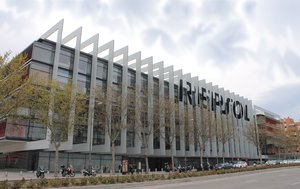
[150,98]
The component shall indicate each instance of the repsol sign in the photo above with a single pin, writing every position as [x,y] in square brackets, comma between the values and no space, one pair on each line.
[211,100]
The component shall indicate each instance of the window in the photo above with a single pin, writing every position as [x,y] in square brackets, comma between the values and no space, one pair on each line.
[101,71]
[83,83]
[144,82]
[85,65]
[66,59]
[176,93]
[43,54]
[131,78]
[177,142]
[80,136]
[117,75]
[38,75]
[156,87]
[99,134]
[130,139]
[166,89]
[64,76]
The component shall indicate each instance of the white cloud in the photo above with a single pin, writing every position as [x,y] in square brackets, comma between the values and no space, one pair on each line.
[249,47]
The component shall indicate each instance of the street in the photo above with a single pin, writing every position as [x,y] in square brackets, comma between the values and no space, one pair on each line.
[287,178]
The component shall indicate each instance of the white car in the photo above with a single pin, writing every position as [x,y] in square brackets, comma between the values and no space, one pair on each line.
[240,164]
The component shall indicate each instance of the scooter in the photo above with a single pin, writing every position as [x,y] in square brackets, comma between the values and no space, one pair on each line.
[69,171]
[40,173]
[91,172]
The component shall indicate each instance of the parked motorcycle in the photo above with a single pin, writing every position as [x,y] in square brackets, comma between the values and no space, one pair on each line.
[40,172]
[67,171]
[90,172]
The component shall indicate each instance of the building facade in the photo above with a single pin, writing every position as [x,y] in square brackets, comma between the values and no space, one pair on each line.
[269,127]
[126,74]
[292,130]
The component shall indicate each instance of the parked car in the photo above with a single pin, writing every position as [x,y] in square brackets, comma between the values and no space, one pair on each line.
[223,166]
[240,164]
[272,162]
[205,166]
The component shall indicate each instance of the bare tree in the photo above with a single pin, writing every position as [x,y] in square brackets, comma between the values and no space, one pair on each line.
[15,86]
[202,130]
[224,132]
[170,108]
[112,112]
[251,132]
[147,126]
[58,108]
[283,141]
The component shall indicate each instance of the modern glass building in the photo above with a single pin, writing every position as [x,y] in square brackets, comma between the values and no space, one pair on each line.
[26,145]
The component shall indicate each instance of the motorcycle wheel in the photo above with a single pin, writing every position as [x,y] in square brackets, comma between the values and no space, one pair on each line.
[42,176]
[72,174]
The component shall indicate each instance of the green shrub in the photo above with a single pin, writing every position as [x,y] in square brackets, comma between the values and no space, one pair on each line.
[83,181]
[65,182]
[4,185]
[34,184]
[93,180]
[43,182]
[55,183]
[18,184]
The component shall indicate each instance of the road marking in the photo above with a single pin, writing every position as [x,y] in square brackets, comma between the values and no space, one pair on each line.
[250,181]
[295,183]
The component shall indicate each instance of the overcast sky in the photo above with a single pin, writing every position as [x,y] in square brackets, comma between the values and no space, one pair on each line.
[250,47]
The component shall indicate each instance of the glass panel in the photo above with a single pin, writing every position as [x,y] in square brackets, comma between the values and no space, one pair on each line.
[38,75]
[80,136]
[101,71]
[83,83]
[37,133]
[166,89]
[99,134]
[66,60]
[64,76]
[85,65]
[130,139]
[131,78]
[117,75]
[43,55]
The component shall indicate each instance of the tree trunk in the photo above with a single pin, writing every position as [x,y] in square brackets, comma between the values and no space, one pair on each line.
[201,157]
[172,160]
[56,169]
[113,157]
[223,153]
[147,163]
[259,154]
[146,158]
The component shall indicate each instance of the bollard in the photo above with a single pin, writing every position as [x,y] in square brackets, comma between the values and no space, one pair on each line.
[155,169]
[6,175]
[162,169]
[21,173]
